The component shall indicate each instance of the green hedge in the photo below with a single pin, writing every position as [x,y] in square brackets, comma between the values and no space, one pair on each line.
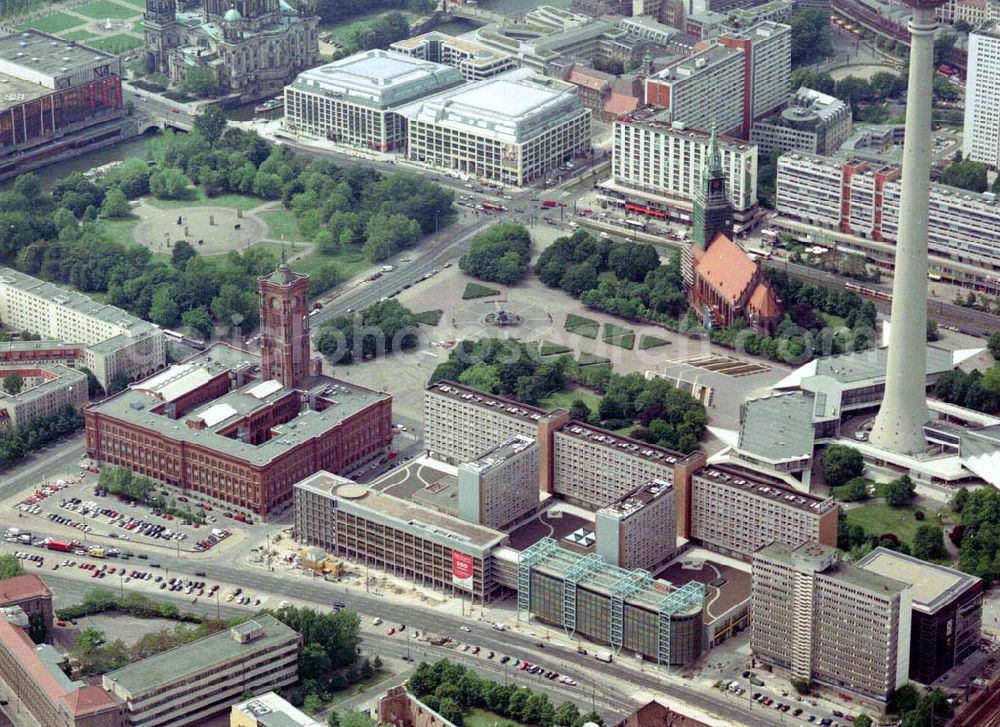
[475,290]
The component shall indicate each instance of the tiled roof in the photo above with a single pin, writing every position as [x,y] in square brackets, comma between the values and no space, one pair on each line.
[590,78]
[22,587]
[89,699]
[727,268]
[764,302]
[620,103]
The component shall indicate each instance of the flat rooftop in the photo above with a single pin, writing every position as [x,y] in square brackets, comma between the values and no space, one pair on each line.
[477,52]
[499,454]
[934,586]
[510,407]
[725,586]
[403,514]
[637,500]
[779,426]
[135,405]
[270,710]
[74,300]
[514,106]
[54,376]
[765,487]
[380,79]
[174,665]
[39,57]
[651,452]
[861,368]
[658,119]
[794,556]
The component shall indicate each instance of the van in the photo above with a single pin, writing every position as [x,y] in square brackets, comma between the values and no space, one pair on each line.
[200,574]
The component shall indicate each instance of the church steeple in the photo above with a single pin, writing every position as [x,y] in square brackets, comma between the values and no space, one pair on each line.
[713,212]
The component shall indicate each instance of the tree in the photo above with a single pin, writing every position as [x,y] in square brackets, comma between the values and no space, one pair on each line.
[962,26]
[565,715]
[354,718]
[841,464]
[993,344]
[198,319]
[904,699]
[500,254]
[966,174]
[482,377]
[200,81]
[385,235]
[115,204]
[210,123]
[959,499]
[899,492]
[856,490]
[802,686]
[10,567]
[181,253]
[579,410]
[312,703]
[449,709]
[811,39]
[169,183]
[164,309]
[13,384]
[928,542]
[862,720]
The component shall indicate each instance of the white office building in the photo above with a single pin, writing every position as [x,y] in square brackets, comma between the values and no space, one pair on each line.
[355,100]
[981,139]
[513,128]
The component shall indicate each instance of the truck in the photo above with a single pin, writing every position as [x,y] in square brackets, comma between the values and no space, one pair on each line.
[63,546]
[96,552]
[604,656]
[388,268]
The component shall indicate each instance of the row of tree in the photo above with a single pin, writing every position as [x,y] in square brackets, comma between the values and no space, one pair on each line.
[382,328]
[19,441]
[973,390]
[122,482]
[452,690]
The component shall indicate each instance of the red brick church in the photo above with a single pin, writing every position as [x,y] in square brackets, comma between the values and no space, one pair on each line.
[723,282]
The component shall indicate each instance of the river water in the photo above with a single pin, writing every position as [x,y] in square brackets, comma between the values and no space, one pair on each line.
[52,173]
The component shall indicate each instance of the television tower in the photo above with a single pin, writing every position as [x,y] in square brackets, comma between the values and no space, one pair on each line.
[899,426]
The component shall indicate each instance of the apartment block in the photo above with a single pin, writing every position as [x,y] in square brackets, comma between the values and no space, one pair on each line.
[48,389]
[636,531]
[736,512]
[857,201]
[500,487]
[829,622]
[115,343]
[981,135]
[355,100]
[190,683]
[475,60]
[31,595]
[596,468]
[702,90]
[37,693]
[813,122]
[656,167]
[767,63]
[396,535]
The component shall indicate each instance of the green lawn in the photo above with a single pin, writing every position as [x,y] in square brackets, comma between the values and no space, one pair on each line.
[551,349]
[646,342]
[344,32]
[380,675]
[141,4]
[77,35]
[589,359]
[564,399]
[586,327]
[233,201]
[118,43]
[475,290]
[618,336]
[282,225]
[879,518]
[429,317]
[831,320]
[102,9]
[121,230]
[55,23]
[137,27]
[484,718]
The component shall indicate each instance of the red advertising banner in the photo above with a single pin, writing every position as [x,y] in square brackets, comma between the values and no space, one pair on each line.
[461,570]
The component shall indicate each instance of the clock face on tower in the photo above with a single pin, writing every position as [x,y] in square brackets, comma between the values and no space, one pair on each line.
[276,303]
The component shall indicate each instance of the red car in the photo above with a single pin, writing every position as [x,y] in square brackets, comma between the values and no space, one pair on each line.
[390,631]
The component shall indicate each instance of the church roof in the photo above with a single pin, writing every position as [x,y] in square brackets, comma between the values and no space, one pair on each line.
[764,302]
[727,268]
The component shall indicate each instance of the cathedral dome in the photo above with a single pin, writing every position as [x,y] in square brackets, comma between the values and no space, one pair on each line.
[232,16]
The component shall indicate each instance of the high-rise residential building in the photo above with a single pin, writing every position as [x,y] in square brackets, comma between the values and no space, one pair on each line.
[355,522]
[188,684]
[514,128]
[48,390]
[947,611]
[826,621]
[981,135]
[813,122]
[356,100]
[116,345]
[735,511]
[656,168]
[501,486]
[635,532]
[857,203]
[475,60]
[767,62]
[37,693]
[703,89]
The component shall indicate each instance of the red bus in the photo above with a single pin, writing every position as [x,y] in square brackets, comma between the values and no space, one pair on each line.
[492,206]
[659,214]
[62,545]
[549,203]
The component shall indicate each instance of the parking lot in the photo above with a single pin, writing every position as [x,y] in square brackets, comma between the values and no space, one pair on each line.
[181,522]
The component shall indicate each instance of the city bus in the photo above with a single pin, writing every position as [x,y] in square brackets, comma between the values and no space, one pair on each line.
[492,206]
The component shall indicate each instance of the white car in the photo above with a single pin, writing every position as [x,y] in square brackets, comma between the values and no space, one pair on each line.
[376,621]
[466,629]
